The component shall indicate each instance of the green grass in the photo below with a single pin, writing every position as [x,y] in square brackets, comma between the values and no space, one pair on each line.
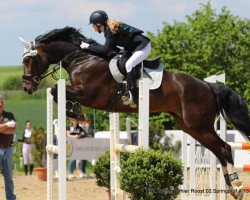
[7,72]
[24,106]
[27,107]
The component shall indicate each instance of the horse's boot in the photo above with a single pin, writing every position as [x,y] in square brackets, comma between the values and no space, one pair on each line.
[132,94]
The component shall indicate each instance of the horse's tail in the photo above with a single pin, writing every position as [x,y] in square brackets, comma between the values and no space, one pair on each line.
[233,107]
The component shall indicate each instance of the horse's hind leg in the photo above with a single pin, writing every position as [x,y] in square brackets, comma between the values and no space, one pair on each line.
[210,140]
[223,152]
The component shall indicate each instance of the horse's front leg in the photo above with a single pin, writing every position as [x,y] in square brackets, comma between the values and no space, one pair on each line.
[73,108]
[54,92]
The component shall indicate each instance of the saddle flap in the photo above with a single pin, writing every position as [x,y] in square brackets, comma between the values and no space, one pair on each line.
[156,75]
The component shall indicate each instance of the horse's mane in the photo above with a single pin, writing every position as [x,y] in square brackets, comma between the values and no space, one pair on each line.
[70,34]
[67,34]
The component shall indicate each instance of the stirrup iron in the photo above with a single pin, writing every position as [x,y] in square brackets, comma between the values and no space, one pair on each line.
[127,99]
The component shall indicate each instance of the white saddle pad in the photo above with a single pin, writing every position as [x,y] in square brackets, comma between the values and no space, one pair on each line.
[155,74]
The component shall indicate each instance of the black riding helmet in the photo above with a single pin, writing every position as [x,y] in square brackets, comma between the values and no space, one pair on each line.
[99,16]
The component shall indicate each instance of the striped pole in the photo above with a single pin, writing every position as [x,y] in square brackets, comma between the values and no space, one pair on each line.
[240,145]
[245,188]
[244,167]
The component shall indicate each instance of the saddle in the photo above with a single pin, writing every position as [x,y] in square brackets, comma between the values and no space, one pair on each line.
[151,68]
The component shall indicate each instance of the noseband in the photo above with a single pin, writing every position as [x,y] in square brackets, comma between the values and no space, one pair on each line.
[31,79]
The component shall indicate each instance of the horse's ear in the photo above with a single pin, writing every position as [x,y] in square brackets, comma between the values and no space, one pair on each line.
[27,45]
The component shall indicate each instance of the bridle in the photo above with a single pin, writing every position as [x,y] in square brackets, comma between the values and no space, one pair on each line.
[31,52]
[30,78]
[34,80]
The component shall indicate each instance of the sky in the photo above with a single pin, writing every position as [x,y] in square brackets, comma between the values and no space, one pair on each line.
[30,18]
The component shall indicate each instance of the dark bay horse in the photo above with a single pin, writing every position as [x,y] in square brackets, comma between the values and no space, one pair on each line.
[192,102]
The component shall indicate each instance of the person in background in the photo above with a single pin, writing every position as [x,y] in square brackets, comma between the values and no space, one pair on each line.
[74,131]
[27,148]
[7,130]
[85,124]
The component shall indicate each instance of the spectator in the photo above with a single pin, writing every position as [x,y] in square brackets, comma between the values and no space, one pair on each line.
[27,148]
[85,124]
[74,131]
[7,130]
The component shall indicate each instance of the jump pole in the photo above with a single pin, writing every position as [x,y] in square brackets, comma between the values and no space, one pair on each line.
[61,148]
[143,137]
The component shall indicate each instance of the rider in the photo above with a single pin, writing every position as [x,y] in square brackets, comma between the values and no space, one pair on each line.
[120,34]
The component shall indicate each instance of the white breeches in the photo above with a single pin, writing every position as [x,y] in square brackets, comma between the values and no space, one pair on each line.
[27,154]
[137,57]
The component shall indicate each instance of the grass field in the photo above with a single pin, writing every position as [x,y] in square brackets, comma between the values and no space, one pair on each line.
[23,106]
[27,107]
[7,72]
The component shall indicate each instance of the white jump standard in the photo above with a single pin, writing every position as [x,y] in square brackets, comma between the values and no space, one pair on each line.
[52,149]
[143,137]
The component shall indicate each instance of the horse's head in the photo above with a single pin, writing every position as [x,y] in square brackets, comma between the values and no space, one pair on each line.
[35,63]
[50,48]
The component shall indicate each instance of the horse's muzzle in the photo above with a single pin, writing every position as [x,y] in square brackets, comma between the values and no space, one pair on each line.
[30,83]
[28,90]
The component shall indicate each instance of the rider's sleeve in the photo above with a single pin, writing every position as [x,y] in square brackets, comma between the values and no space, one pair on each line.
[102,49]
[108,45]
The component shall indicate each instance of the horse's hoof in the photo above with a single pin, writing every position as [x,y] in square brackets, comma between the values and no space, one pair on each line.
[77,109]
[239,194]
[69,105]
[81,117]
[74,116]
[236,192]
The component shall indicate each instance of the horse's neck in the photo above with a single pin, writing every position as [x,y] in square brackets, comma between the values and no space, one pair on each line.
[56,53]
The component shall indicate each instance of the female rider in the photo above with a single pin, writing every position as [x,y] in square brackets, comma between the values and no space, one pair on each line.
[120,34]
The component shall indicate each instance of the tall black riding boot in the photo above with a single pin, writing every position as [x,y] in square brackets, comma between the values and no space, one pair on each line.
[131,81]
[31,168]
[26,169]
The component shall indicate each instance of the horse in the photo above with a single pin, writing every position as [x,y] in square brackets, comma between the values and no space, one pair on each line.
[192,102]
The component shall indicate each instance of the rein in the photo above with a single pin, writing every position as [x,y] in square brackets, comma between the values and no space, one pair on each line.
[51,71]
[35,80]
